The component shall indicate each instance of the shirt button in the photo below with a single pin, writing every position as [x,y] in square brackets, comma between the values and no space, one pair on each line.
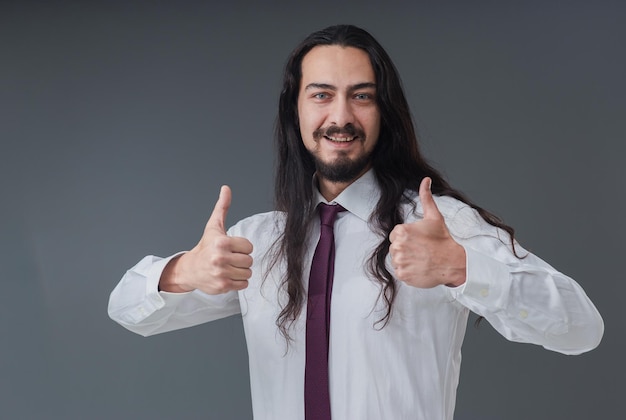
[523,314]
[484,292]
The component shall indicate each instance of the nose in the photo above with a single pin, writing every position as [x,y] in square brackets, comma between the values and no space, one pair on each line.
[341,112]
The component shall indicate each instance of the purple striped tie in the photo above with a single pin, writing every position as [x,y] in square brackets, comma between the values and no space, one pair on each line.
[316,393]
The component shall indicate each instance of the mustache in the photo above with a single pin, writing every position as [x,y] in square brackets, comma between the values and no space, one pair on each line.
[347,130]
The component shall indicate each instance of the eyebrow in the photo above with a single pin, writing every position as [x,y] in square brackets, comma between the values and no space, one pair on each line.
[364,85]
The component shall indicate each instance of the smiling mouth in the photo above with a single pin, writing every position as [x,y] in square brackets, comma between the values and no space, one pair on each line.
[339,135]
[340,139]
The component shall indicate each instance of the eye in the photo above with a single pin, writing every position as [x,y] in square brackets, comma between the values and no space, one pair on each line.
[364,97]
[321,96]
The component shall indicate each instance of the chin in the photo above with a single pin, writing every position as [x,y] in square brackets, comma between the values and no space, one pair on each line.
[342,169]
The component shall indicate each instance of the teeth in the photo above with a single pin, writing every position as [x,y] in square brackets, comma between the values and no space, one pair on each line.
[341,139]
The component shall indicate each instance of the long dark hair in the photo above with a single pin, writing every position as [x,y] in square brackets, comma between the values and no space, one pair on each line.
[397,162]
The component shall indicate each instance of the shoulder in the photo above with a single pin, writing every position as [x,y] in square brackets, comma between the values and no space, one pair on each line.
[259,225]
[462,220]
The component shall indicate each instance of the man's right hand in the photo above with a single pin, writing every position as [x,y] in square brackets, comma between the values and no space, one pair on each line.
[217,264]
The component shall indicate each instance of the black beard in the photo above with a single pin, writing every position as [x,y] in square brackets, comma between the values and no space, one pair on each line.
[343,169]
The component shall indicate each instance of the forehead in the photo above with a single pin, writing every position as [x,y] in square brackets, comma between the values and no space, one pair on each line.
[336,65]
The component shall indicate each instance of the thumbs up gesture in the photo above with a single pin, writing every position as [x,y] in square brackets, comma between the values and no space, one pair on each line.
[217,264]
[423,254]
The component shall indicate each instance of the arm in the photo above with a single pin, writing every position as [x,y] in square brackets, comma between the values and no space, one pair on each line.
[137,304]
[525,299]
[159,295]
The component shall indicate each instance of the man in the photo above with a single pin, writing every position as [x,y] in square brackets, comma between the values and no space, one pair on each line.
[409,265]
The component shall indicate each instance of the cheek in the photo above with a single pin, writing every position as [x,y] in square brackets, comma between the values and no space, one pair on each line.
[309,122]
[306,131]
[372,128]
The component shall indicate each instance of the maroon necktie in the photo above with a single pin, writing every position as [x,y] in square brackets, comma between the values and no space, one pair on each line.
[316,393]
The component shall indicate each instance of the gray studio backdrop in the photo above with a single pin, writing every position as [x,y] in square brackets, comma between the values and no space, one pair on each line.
[120,120]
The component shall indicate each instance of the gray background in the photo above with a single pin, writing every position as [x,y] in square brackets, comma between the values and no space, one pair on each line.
[119,121]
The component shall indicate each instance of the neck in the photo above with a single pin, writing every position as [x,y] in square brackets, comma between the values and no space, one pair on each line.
[331,189]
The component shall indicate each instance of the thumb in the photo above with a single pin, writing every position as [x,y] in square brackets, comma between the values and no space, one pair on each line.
[218,217]
[431,211]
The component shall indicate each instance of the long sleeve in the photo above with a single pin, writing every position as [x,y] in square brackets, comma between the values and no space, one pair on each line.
[137,305]
[524,299]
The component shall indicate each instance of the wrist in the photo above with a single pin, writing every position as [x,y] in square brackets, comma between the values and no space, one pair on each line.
[170,280]
[458,272]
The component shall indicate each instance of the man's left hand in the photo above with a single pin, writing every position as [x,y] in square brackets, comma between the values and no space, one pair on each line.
[423,253]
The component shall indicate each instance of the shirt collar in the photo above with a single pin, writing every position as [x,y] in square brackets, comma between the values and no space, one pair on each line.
[359,198]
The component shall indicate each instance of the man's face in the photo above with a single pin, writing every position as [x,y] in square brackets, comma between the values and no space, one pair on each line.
[337,110]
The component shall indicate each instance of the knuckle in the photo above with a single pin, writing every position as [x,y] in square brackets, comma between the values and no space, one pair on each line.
[216,272]
[217,259]
[224,285]
[218,285]
[222,242]
[242,284]
[400,254]
[402,232]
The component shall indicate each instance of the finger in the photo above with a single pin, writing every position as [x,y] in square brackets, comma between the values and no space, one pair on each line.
[218,217]
[431,211]
[239,274]
[221,277]
[396,233]
[240,245]
[392,235]
[239,284]
[226,285]
[241,260]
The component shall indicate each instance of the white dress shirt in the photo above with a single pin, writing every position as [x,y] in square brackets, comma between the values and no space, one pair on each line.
[410,368]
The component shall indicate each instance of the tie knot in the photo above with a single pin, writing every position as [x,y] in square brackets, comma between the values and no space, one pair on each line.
[328,213]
